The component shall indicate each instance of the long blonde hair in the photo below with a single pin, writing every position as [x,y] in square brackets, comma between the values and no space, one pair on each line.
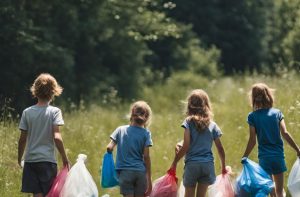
[199,109]
[261,96]
[140,112]
[45,87]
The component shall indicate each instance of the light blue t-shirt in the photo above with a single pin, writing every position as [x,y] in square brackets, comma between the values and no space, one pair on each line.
[131,141]
[201,142]
[267,126]
[38,122]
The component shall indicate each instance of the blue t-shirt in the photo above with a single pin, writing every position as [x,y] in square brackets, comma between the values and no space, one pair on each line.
[200,149]
[267,126]
[131,141]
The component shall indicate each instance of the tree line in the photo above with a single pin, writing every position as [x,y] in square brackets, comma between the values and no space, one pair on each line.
[105,47]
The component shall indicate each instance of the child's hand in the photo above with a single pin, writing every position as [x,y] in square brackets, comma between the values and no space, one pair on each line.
[178,147]
[173,165]
[67,163]
[149,189]
[224,171]
[244,159]
[21,163]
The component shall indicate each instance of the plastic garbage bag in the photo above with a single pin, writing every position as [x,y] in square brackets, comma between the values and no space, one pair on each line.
[58,183]
[223,186]
[294,179]
[108,174]
[181,190]
[253,181]
[79,182]
[165,186]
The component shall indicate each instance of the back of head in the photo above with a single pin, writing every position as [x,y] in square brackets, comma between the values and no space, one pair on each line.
[45,87]
[261,96]
[140,113]
[199,109]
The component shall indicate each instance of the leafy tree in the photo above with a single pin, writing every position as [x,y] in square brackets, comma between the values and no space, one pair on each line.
[237,28]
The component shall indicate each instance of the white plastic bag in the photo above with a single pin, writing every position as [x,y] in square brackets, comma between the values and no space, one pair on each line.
[79,182]
[294,179]
[223,186]
[181,190]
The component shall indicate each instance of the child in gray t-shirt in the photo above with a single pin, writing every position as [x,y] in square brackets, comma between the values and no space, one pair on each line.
[40,133]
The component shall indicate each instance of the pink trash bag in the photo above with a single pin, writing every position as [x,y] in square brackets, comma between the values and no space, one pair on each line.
[58,183]
[223,186]
[165,186]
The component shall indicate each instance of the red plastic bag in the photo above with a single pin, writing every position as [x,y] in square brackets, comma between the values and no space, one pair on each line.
[223,186]
[165,186]
[58,183]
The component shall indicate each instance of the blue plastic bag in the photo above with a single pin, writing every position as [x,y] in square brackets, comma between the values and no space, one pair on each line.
[109,175]
[253,181]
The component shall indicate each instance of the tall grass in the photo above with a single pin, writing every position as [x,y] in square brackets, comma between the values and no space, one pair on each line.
[87,130]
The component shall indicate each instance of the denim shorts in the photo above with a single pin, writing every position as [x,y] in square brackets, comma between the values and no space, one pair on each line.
[38,177]
[199,172]
[132,182]
[273,165]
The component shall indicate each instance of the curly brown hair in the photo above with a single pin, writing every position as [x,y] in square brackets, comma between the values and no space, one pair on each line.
[199,109]
[45,87]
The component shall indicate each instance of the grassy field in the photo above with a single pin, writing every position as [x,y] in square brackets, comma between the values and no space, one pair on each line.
[87,130]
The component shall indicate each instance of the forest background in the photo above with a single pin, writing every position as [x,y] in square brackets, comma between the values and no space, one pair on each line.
[108,53]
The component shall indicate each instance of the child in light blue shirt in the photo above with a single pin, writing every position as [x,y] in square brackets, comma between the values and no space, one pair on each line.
[131,141]
[267,125]
[133,158]
[200,132]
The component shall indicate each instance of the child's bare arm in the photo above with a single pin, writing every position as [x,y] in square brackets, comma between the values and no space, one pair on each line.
[287,136]
[21,145]
[147,161]
[221,153]
[110,147]
[251,141]
[60,145]
[185,146]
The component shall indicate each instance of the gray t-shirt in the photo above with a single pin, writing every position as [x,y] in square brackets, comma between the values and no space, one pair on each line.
[131,141]
[200,149]
[38,122]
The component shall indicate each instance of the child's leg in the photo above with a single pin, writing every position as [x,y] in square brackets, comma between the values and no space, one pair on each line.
[278,179]
[201,189]
[189,192]
[273,193]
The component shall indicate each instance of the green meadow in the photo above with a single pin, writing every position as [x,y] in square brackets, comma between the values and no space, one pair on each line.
[87,128]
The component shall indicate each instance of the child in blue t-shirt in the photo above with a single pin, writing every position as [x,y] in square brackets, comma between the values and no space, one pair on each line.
[199,134]
[40,134]
[133,162]
[267,125]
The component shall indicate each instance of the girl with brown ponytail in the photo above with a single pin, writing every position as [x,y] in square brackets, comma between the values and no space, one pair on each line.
[133,162]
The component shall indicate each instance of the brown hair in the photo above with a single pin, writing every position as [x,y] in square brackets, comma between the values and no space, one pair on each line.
[199,109]
[140,112]
[261,96]
[45,87]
